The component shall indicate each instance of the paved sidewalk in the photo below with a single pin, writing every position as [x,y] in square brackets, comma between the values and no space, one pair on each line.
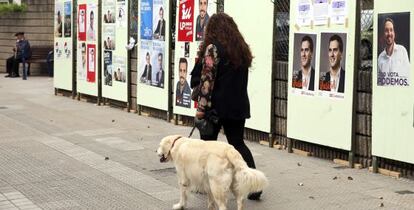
[53,150]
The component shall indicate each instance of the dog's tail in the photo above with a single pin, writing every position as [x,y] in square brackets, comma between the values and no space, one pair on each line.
[247,179]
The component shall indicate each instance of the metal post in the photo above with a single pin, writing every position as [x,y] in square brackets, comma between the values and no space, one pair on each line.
[351,156]
[99,46]
[374,164]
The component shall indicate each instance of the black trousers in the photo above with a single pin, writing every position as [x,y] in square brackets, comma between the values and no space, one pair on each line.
[234,130]
[12,66]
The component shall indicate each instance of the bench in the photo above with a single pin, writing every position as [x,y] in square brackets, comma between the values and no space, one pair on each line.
[39,55]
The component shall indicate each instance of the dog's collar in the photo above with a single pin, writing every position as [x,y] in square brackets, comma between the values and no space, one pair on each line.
[174,142]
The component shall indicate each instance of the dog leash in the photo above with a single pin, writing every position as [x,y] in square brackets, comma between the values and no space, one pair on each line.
[192,130]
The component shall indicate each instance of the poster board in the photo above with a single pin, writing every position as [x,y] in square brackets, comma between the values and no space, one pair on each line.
[63,52]
[392,82]
[87,47]
[114,54]
[188,38]
[260,40]
[153,53]
[320,81]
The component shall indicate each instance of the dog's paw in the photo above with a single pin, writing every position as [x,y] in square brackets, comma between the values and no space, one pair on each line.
[178,206]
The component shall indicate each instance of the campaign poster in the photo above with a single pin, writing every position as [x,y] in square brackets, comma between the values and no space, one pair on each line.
[58,49]
[82,22]
[109,37]
[119,69]
[108,11]
[68,19]
[91,63]
[158,20]
[107,68]
[145,70]
[121,14]
[81,64]
[59,19]
[186,21]
[158,64]
[182,88]
[320,12]
[304,13]
[338,12]
[146,19]
[67,49]
[332,72]
[92,26]
[204,11]
[394,49]
[303,72]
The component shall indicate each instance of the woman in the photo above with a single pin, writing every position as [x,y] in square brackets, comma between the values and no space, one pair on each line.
[226,58]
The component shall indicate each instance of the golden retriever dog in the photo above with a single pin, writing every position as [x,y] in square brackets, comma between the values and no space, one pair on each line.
[213,167]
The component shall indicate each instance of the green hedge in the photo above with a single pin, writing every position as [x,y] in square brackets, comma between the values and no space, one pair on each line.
[7,8]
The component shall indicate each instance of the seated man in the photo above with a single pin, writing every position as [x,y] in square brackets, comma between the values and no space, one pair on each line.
[22,50]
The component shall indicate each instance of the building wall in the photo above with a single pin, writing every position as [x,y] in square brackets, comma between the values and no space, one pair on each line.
[36,22]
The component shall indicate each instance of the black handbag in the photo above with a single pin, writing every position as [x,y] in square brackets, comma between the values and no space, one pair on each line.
[207,124]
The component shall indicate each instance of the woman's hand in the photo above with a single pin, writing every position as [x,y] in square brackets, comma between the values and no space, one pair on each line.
[200,115]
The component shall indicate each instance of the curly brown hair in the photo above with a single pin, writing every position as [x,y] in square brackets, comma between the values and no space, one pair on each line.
[221,28]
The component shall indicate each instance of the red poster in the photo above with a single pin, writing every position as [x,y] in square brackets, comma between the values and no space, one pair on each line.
[91,67]
[82,22]
[186,20]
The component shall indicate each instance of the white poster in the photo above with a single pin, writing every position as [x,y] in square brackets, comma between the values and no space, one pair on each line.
[59,19]
[121,15]
[115,55]
[305,11]
[81,61]
[321,80]
[153,54]
[392,88]
[320,12]
[87,50]
[92,24]
[119,69]
[63,52]
[108,37]
[338,11]
[260,40]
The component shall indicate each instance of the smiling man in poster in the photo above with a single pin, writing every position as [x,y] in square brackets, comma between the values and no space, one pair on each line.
[305,77]
[393,62]
[334,79]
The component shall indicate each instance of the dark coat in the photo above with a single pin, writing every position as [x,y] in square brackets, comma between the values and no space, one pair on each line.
[229,97]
